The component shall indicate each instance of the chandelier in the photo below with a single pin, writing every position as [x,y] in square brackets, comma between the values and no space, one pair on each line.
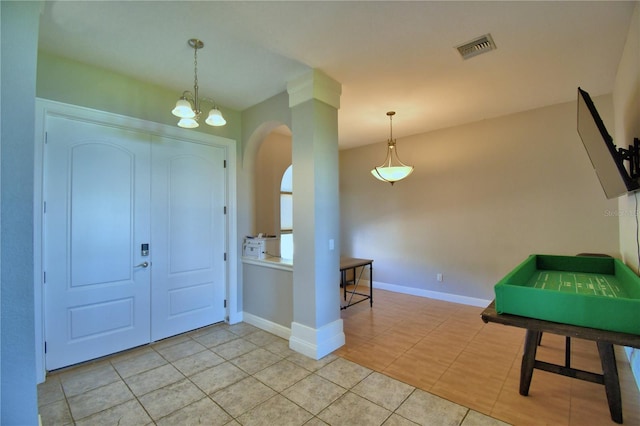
[188,106]
[392,169]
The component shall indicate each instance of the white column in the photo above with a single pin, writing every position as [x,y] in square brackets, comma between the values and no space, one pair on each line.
[316,330]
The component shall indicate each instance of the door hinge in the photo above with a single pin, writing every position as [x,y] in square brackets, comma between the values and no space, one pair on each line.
[225,209]
[225,303]
[225,257]
[46,137]
[45,347]
[44,207]
[44,277]
[224,164]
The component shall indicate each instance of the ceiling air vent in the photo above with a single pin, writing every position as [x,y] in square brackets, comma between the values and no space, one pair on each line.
[477,46]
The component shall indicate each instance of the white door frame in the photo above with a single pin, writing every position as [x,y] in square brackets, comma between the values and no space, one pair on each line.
[46,108]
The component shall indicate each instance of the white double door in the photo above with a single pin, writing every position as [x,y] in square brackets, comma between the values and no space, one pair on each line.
[111,193]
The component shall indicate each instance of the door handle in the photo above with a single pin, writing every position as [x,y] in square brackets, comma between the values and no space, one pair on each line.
[142,265]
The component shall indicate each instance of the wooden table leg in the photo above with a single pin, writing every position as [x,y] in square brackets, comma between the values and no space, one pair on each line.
[528,360]
[611,380]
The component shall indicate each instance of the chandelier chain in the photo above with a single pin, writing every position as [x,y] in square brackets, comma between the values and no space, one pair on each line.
[195,66]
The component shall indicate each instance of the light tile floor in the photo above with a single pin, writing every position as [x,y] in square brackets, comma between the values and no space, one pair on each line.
[237,374]
[409,360]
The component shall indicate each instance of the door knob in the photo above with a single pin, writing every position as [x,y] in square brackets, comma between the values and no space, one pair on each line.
[143,265]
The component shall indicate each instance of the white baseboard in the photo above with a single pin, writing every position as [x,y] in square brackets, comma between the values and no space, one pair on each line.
[316,342]
[447,297]
[267,325]
[633,355]
[236,317]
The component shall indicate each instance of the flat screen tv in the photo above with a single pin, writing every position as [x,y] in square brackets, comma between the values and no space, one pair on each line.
[616,168]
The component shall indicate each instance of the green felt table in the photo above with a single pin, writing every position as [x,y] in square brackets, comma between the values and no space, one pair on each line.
[578,283]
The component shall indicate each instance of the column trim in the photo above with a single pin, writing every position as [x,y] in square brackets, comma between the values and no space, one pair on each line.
[314,85]
[316,342]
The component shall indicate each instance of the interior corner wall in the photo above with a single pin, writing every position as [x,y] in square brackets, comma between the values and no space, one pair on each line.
[18,55]
[482,197]
[626,105]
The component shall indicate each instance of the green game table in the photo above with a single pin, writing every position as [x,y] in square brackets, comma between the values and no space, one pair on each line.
[589,297]
[588,291]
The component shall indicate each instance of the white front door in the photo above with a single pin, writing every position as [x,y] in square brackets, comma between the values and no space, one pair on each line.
[188,235]
[96,192]
[108,191]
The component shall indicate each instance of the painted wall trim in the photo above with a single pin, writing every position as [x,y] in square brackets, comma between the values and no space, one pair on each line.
[447,297]
[268,326]
[316,342]
[270,262]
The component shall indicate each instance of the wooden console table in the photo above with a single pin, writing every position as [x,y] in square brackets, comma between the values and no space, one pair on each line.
[604,340]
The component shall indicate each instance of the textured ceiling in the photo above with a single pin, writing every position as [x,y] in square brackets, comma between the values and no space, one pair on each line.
[388,55]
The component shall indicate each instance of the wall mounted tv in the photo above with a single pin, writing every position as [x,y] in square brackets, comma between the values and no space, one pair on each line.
[618,169]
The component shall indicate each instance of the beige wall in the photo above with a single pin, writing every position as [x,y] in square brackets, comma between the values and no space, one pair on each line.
[483,196]
[268,294]
[626,104]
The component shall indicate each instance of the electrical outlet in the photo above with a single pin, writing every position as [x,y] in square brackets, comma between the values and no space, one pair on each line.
[439,277]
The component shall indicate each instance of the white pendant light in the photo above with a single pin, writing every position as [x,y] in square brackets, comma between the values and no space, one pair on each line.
[188,106]
[392,169]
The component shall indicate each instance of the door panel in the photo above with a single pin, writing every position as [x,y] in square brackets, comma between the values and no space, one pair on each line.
[101,199]
[188,234]
[97,192]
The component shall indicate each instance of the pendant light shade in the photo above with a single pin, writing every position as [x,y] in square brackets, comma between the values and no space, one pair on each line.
[391,174]
[183,109]
[392,169]
[188,123]
[215,118]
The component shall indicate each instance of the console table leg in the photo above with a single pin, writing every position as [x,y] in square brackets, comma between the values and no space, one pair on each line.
[611,380]
[370,285]
[528,360]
